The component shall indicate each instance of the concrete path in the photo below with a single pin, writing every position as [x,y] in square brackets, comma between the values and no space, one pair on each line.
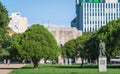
[5,69]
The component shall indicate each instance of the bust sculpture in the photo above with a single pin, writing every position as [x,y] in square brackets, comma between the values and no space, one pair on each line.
[102,49]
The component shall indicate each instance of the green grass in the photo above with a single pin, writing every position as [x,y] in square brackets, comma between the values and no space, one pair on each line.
[66,69]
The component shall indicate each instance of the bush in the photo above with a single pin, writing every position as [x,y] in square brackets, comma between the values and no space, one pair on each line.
[54,62]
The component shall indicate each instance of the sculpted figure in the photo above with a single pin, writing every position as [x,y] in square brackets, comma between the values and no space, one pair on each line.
[102,49]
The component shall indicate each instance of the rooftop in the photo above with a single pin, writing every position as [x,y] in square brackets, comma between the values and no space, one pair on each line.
[97,1]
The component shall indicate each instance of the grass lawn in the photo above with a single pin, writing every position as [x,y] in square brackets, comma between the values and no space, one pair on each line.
[66,69]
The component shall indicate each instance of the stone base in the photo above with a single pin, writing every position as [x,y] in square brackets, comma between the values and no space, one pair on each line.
[102,64]
[60,60]
[78,60]
[42,61]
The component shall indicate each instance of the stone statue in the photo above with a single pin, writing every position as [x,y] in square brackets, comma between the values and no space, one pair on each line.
[102,49]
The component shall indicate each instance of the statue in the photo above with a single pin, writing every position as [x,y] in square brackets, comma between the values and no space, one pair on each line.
[102,49]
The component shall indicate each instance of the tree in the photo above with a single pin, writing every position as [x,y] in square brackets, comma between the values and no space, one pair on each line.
[110,35]
[69,49]
[75,47]
[81,50]
[36,43]
[4,38]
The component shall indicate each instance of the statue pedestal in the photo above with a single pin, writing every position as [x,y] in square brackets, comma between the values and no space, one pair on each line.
[102,64]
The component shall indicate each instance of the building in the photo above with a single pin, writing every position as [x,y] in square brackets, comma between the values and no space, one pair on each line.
[10,32]
[92,14]
[17,23]
[64,34]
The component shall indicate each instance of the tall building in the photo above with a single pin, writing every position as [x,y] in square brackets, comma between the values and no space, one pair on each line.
[17,23]
[92,14]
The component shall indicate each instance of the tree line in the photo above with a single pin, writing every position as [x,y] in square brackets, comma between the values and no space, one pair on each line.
[37,42]
[87,45]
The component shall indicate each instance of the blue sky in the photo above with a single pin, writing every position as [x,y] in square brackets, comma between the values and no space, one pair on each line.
[56,12]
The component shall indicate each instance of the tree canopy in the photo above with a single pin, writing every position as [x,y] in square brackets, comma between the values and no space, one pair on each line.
[110,35]
[36,43]
[4,38]
[76,48]
[69,49]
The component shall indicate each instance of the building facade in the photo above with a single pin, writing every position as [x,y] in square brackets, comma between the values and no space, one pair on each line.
[64,34]
[17,23]
[92,14]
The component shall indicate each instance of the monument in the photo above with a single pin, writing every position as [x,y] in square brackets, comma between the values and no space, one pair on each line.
[102,57]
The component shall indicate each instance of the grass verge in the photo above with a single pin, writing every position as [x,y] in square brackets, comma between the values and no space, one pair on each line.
[66,69]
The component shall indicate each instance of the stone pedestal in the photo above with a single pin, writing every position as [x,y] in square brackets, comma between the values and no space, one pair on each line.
[70,61]
[102,64]
[66,61]
[42,61]
[78,60]
[60,60]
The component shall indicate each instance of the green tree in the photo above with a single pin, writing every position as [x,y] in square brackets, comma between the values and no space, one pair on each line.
[36,43]
[76,47]
[110,35]
[82,51]
[69,49]
[4,38]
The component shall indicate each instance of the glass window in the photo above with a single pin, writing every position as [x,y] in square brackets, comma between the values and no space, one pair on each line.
[109,5]
[114,5]
[92,5]
[117,5]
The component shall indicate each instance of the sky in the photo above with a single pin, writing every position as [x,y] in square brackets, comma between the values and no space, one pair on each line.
[55,12]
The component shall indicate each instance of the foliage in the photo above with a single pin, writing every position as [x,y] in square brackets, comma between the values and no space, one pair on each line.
[81,50]
[69,49]
[110,35]
[4,38]
[81,43]
[4,19]
[36,43]
[89,34]
[16,47]
[76,47]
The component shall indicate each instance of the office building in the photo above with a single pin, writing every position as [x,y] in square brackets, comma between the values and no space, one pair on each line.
[92,14]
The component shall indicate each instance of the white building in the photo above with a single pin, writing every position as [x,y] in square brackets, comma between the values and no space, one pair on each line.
[17,23]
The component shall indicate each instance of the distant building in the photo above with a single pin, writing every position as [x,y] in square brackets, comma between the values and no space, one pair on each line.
[17,23]
[10,32]
[92,14]
[64,34]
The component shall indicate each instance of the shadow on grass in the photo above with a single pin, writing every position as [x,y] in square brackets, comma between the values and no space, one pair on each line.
[116,66]
[8,68]
[74,66]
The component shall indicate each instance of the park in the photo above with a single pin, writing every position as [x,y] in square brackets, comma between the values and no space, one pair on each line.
[20,53]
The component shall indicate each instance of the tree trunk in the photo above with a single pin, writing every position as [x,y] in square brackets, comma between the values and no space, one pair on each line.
[82,62]
[35,63]
[108,60]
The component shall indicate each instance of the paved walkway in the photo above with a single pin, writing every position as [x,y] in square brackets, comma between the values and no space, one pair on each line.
[5,69]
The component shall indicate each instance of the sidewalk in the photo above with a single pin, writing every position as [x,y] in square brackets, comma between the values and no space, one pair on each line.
[5,68]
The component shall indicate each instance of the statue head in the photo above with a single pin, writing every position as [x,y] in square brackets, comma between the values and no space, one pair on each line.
[100,41]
